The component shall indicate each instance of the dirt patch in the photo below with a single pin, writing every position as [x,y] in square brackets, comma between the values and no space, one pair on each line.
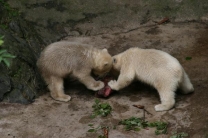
[199,59]
[153,31]
[48,118]
[134,98]
[119,108]
[85,119]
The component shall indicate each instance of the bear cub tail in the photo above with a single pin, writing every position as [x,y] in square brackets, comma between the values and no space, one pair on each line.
[186,85]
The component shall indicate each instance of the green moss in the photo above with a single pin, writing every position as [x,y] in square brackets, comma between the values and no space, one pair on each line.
[18,73]
[8,14]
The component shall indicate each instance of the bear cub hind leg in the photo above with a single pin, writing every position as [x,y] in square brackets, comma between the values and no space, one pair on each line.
[167,96]
[57,90]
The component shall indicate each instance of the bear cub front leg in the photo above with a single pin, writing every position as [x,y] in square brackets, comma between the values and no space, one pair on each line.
[113,84]
[89,82]
[124,79]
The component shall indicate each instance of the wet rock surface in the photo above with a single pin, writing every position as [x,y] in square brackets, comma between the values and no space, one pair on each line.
[117,26]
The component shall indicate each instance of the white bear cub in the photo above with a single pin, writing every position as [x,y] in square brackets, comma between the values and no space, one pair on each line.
[62,59]
[155,68]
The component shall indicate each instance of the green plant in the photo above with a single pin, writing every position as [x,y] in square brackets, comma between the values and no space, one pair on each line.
[188,58]
[102,109]
[161,127]
[4,55]
[135,123]
[93,129]
[179,135]
[101,136]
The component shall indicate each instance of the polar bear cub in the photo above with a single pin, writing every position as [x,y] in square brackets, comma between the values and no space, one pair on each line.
[61,59]
[155,68]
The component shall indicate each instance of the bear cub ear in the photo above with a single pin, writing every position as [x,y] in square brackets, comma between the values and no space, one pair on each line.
[106,64]
[105,50]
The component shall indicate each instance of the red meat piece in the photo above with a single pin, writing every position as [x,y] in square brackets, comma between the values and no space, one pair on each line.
[106,91]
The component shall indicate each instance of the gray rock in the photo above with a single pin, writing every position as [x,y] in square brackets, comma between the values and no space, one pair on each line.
[5,83]
[21,81]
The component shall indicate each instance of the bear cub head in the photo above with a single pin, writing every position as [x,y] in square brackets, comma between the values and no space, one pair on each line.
[116,62]
[103,63]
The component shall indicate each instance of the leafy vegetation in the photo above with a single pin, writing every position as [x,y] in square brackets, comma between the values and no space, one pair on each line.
[161,127]
[136,124]
[101,136]
[102,109]
[179,135]
[4,55]
[188,58]
[132,123]
[93,129]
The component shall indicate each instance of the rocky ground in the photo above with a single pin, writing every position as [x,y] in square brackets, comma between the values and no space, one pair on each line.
[117,27]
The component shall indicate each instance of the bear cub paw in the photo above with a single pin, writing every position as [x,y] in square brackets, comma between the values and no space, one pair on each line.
[63,98]
[162,107]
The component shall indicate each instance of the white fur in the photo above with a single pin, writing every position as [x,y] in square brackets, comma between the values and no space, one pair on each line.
[155,68]
[62,59]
